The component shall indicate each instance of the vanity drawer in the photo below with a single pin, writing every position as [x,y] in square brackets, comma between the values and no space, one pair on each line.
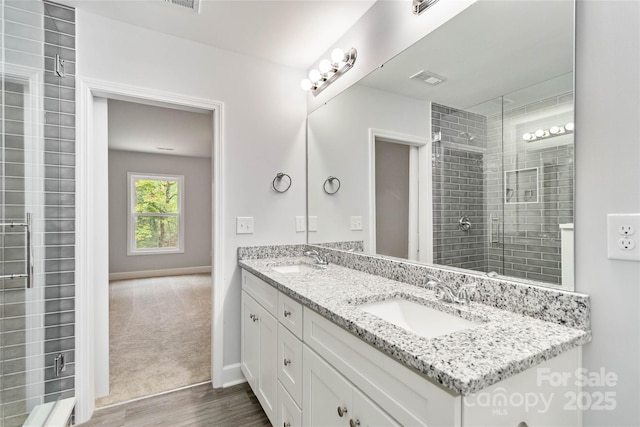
[289,414]
[265,294]
[290,314]
[290,363]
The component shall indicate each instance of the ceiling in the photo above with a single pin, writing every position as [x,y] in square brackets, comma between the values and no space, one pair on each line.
[152,129]
[294,33]
[490,49]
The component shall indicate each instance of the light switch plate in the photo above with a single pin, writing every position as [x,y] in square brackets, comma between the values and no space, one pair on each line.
[356,223]
[244,225]
[623,236]
[300,224]
[313,223]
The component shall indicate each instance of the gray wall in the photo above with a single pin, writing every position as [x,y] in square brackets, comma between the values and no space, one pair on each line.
[197,199]
[458,188]
[608,181]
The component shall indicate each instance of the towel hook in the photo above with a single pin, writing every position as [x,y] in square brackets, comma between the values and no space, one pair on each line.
[330,181]
[277,179]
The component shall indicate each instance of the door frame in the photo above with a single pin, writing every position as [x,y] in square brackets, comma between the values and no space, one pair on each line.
[92,267]
[420,225]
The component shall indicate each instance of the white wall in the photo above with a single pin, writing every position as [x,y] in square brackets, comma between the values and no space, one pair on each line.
[340,147]
[608,181]
[197,210]
[263,129]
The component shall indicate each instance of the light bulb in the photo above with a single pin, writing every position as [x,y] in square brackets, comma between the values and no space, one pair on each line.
[314,76]
[569,126]
[528,137]
[539,133]
[325,66]
[306,84]
[337,55]
[554,130]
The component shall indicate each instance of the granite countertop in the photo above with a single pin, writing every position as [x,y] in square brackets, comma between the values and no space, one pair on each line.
[466,361]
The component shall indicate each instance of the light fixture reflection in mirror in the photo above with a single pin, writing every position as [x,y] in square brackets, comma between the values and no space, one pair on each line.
[483,115]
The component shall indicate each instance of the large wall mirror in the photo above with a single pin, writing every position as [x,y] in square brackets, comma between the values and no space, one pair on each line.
[459,151]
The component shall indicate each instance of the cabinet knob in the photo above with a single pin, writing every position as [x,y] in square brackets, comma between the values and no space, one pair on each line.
[287,313]
[255,318]
[286,424]
[287,362]
[252,316]
[342,411]
[354,423]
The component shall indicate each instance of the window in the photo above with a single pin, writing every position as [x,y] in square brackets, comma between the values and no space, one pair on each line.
[156,214]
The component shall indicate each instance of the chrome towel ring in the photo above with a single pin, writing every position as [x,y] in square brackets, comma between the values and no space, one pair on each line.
[277,180]
[330,182]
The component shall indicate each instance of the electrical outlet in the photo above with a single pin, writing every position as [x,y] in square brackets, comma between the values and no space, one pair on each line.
[313,223]
[300,224]
[626,244]
[626,229]
[622,237]
[356,223]
[244,225]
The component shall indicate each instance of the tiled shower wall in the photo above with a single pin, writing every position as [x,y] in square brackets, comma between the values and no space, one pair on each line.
[458,188]
[44,170]
[530,245]
[469,166]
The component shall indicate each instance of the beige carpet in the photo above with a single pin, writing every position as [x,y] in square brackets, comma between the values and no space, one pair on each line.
[159,337]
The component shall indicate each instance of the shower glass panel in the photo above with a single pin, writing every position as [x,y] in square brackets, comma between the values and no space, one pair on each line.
[503,183]
[32,346]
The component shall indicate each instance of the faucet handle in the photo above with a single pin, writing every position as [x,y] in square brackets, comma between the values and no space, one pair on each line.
[466,291]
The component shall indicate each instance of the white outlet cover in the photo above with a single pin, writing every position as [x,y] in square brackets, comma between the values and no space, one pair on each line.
[622,236]
[356,223]
[300,224]
[244,225]
[313,223]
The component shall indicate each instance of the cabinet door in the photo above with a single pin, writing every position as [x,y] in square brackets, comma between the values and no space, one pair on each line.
[326,399]
[267,392]
[290,363]
[367,414]
[289,415]
[249,351]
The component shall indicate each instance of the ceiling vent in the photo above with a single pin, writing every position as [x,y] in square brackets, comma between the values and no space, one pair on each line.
[189,4]
[428,77]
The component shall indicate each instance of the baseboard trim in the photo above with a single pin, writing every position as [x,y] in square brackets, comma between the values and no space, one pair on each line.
[232,375]
[159,273]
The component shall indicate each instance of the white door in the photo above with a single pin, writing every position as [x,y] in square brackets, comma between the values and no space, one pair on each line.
[326,397]
[267,392]
[249,351]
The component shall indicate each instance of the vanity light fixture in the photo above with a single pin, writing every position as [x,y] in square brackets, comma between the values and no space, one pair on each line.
[548,133]
[419,6]
[329,70]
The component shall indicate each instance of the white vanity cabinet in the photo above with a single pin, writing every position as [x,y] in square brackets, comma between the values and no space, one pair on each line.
[306,370]
[259,349]
[271,350]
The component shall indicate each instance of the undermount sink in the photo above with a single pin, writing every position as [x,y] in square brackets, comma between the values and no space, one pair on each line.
[294,268]
[417,318]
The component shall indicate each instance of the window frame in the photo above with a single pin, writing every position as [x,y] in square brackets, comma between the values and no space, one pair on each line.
[132,250]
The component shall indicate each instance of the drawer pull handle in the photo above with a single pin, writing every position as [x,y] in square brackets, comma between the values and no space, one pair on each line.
[286,424]
[342,411]
[287,313]
[287,362]
[354,423]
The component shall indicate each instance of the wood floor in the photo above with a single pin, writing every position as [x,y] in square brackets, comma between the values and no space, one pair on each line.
[197,406]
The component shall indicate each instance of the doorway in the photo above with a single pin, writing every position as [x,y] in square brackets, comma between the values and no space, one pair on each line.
[92,242]
[399,195]
[159,166]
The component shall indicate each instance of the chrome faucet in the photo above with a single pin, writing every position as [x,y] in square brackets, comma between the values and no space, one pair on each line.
[316,257]
[446,293]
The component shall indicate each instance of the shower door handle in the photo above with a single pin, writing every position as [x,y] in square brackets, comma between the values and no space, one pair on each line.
[494,229]
[29,251]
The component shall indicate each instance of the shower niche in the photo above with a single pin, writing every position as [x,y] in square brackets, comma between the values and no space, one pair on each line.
[521,186]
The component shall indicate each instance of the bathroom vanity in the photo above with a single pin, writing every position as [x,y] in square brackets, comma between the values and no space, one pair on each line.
[331,345]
